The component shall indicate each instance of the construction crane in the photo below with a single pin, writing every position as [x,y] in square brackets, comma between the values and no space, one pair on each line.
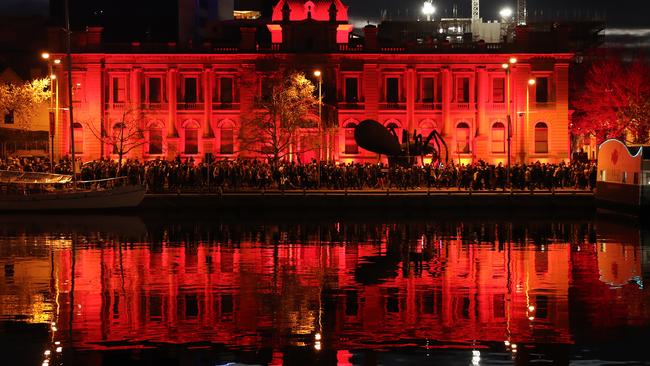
[475,10]
[521,12]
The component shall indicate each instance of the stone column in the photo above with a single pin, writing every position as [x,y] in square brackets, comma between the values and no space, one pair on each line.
[172,75]
[410,100]
[446,128]
[208,80]
[482,124]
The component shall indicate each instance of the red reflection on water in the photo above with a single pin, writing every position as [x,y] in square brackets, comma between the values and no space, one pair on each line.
[355,295]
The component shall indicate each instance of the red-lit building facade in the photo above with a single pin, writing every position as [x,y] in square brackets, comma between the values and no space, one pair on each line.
[194,98]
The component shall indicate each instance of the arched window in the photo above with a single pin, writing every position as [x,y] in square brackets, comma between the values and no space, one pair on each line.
[541,138]
[78,138]
[191,138]
[394,124]
[498,138]
[227,138]
[155,139]
[426,127]
[351,146]
[462,138]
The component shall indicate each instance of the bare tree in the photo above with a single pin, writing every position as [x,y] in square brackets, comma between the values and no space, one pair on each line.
[272,127]
[124,135]
[21,101]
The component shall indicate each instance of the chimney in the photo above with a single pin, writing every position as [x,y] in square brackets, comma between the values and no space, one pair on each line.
[247,42]
[370,33]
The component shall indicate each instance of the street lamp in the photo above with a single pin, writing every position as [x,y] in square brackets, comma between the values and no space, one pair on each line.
[319,75]
[531,83]
[507,67]
[54,106]
[428,9]
[45,55]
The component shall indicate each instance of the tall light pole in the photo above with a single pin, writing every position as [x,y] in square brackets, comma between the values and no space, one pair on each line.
[54,106]
[507,67]
[319,75]
[428,9]
[531,83]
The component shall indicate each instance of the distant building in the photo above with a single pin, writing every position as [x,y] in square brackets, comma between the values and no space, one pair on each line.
[623,174]
[194,96]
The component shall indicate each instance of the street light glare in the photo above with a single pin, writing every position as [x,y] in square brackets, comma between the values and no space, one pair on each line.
[45,55]
[52,76]
[505,66]
[317,73]
[513,60]
[428,9]
[531,82]
[505,13]
[57,61]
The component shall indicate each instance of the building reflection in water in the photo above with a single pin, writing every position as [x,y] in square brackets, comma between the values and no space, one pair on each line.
[331,287]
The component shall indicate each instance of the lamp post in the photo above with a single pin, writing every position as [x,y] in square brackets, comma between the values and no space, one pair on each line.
[319,75]
[507,67]
[54,102]
[428,9]
[531,82]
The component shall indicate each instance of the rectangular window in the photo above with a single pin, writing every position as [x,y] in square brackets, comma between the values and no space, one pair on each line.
[428,87]
[351,90]
[155,90]
[119,90]
[351,146]
[155,141]
[499,90]
[9,118]
[78,141]
[541,90]
[541,140]
[191,91]
[462,90]
[266,89]
[227,141]
[498,139]
[226,90]
[191,141]
[392,90]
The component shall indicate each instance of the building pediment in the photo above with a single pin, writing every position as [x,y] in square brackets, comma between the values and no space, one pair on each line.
[318,10]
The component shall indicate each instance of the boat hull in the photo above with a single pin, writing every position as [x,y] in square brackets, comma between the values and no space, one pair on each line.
[119,197]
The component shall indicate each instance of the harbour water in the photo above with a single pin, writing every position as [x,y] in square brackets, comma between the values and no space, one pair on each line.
[203,290]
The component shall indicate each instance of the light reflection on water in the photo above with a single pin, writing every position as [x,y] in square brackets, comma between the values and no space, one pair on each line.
[329,293]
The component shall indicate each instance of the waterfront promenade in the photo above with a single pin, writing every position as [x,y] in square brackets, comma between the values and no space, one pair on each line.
[372,198]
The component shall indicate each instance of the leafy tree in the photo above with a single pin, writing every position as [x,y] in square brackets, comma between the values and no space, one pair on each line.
[272,127]
[124,135]
[22,100]
[614,101]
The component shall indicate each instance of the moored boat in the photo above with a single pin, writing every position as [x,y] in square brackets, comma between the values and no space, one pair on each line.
[29,191]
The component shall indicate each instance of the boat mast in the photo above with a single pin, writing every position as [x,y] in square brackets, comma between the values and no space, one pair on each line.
[69,62]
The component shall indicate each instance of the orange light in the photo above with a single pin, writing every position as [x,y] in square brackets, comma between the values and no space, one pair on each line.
[52,76]
[505,66]
[317,73]
[513,60]
[531,82]
[45,55]
[57,61]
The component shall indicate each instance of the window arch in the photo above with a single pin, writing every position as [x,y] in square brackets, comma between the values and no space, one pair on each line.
[426,127]
[396,126]
[227,137]
[462,138]
[78,138]
[498,138]
[191,129]
[351,146]
[541,138]
[155,140]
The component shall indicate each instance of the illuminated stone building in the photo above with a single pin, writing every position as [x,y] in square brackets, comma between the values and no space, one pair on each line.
[193,97]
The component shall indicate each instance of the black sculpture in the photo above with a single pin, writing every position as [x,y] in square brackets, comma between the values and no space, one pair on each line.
[372,136]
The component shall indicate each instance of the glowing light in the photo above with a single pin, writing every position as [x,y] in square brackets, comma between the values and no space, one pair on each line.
[514,346]
[317,73]
[59,349]
[531,82]
[47,352]
[476,357]
[531,308]
[57,61]
[57,343]
[52,76]
[507,343]
[428,9]
[45,55]
[505,13]
[531,318]
[317,346]
[513,60]
[505,66]
[317,336]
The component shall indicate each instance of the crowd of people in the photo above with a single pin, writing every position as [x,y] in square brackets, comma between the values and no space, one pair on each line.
[180,175]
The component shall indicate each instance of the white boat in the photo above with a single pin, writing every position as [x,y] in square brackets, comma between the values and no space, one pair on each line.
[28,191]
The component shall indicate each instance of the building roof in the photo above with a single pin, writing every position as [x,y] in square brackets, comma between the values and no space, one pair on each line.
[319,10]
